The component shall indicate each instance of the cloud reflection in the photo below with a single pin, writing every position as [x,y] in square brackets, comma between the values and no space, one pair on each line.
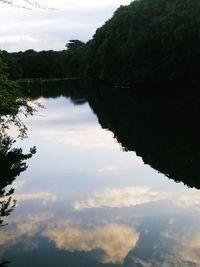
[113,240]
[138,195]
[191,249]
[120,198]
[24,229]
[189,200]
[44,196]
[77,126]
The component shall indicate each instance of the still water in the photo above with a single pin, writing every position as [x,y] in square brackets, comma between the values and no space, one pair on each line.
[114,182]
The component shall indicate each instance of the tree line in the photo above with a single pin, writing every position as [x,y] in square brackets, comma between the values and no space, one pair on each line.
[149,40]
[45,64]
[146,41]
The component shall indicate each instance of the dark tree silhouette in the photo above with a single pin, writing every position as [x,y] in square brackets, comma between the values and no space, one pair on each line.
[12,162]
[162,128]
[4,263]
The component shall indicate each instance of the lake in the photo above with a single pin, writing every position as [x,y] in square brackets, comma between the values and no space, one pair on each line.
[114,181]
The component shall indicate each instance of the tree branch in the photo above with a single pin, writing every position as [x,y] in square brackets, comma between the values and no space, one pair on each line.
[36,4]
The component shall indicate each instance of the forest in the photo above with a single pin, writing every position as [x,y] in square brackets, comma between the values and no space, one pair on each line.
[146,41]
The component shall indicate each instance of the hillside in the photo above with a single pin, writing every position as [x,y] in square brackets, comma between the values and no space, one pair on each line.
[146,41]
[149,40]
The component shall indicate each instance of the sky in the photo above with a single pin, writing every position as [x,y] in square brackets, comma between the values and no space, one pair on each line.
[45,29]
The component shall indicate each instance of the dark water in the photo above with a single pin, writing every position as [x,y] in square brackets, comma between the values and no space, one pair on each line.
[114,181]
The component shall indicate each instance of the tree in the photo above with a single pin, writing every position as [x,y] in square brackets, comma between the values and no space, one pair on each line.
[74,44]
[28,4]
[148,41]
[4,263]
[74,58]
[12,160]
[11,102]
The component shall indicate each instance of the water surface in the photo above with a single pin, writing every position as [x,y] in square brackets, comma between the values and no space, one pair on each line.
[114,182]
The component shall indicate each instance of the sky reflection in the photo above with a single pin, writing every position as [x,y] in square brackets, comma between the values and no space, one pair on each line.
[84,199]
[115,241]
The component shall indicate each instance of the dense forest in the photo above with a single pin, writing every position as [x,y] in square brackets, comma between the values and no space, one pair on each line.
[149,40]
[45,64]
[146,41]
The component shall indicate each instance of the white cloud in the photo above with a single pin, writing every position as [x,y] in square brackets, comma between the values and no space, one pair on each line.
[113,240]
[189,200]
[121,198]
[52,29]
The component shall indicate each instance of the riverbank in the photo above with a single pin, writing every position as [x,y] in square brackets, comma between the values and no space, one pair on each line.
[44,80]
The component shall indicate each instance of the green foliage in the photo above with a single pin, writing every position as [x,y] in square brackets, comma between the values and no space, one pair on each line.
[50,64]
[74,66]
[146,41]
[8,91]
[44,64]
[13,70]
[73,44]
[11,101]
[12,160]
[149,40]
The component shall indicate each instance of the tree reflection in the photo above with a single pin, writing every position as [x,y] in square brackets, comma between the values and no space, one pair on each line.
[74,89]
[161,128]
[4,263]
[12,162]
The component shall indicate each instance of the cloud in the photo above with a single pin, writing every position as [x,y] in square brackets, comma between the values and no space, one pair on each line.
[113,240]
[189,200]
[17,39]
[76,19]
[121,198]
